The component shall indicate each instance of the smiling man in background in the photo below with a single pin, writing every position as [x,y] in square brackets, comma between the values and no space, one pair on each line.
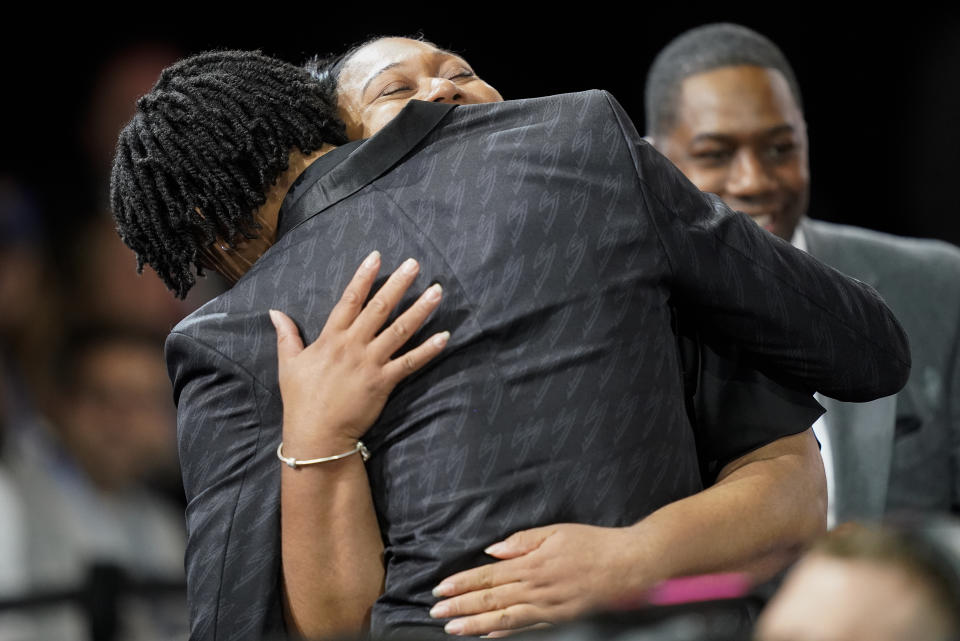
[724,105]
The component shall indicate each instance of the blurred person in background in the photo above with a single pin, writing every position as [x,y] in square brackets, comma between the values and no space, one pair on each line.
[884,583]
[123,77]
[86,468]
[83,478]
[29,321]
[724,105]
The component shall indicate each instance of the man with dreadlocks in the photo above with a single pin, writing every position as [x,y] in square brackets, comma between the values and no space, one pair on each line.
[210,154]
[558,329]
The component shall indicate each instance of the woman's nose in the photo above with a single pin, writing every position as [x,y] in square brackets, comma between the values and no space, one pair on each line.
[443,90]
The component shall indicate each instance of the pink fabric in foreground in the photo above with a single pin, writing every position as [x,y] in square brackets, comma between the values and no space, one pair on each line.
[704,587]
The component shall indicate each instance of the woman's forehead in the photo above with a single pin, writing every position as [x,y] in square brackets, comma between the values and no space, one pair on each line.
[379,55]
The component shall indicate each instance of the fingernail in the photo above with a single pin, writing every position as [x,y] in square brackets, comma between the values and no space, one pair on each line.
[496,548]
[409,266]
[444,589]
[371,261]
[434,292]
[440,340]
[454,627]
[274,317]
[439,611]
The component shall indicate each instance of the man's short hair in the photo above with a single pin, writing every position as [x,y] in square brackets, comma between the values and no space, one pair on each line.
[703,49]
[213,135]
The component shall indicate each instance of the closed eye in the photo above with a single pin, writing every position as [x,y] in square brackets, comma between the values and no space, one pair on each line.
[392,88]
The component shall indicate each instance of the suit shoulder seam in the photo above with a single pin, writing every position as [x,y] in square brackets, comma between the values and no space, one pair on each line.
[210,348]
[636,163]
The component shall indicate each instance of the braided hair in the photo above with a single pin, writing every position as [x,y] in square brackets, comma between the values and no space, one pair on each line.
[202,150]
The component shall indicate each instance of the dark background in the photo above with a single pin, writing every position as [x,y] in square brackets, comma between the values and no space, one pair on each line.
[881,91]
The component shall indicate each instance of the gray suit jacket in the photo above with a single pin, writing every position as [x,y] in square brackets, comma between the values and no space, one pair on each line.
[902,452]
[561,239]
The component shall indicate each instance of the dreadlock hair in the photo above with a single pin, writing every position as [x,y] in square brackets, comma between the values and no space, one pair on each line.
[703,49]
[202,150]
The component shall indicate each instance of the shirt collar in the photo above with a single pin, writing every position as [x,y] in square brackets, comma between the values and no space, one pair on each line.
[799,239]
[317,169]
[361,162]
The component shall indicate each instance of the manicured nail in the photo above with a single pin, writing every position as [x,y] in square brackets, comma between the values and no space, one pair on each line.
[496,548]
[454,627]
[274,317]
[409,266]
[371,261]
[444,589]
[440,340]
[439,611]
[434,292]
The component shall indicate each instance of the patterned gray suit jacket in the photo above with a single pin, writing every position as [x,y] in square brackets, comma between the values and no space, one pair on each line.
[903,452]
[560,237]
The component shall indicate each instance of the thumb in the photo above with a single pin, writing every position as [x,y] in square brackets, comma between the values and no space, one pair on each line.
[519,543]
[288,336]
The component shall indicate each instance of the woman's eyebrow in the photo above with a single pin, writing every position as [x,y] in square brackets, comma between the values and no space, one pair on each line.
[373,77]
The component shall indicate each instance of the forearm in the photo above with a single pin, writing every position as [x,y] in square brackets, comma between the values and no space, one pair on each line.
[331,546]
[764,508]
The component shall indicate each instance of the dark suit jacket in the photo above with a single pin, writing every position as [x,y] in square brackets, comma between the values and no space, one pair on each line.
[560,237]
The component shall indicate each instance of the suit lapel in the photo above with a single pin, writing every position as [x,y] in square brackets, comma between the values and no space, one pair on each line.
[371,160]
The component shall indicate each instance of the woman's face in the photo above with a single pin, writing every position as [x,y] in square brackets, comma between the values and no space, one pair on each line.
[379,79]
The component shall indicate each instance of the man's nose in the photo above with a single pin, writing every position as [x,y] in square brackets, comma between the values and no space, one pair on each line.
[749,175]
[443,90]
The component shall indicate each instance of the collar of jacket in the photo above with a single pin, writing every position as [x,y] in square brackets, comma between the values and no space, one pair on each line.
[325,184]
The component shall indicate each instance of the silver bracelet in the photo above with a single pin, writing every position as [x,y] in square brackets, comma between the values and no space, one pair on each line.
[294,463]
